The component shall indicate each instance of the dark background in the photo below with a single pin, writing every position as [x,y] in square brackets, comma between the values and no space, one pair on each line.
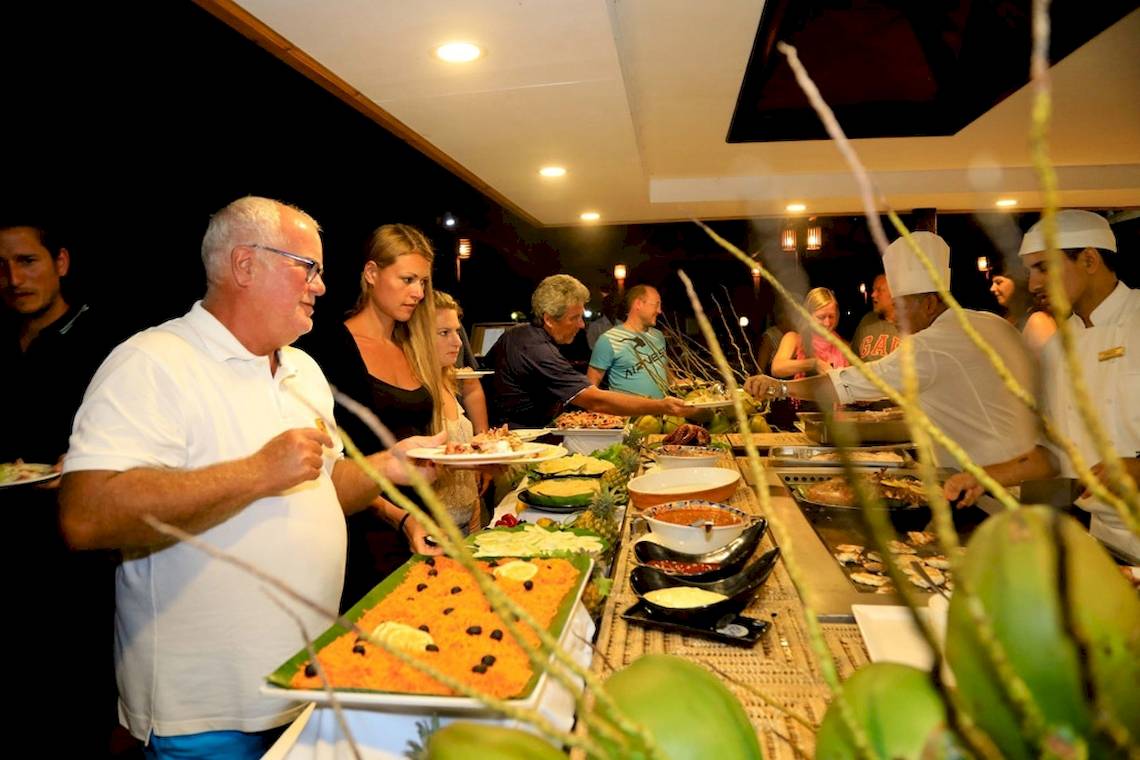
[129,124]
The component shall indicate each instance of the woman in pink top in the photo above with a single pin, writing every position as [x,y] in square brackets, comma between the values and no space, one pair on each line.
[799,356]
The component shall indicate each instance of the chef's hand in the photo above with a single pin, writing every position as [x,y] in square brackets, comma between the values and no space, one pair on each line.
[962,489]
[1130,465]
[53,484]
[418,538]
[761,387]
[393,467]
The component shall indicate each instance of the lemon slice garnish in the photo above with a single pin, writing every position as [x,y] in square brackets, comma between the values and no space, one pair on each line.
[517,571]
[401,636]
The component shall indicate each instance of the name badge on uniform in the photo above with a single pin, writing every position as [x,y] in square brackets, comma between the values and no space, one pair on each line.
[1110,354]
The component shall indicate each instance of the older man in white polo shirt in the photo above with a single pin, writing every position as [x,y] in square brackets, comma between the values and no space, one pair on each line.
[957,387]
[205,422]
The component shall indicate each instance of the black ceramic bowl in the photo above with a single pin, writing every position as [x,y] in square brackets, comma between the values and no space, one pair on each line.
[729,558]
[738,588]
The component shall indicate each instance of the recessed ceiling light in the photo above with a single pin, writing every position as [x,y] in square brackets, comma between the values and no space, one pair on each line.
[795,207]
[448,220]
[1006,202]
[552,171]
[458,52]
[590,216]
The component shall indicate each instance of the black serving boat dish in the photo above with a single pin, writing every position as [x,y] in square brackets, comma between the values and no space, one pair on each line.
[729,559]
[739,589]
[730,628]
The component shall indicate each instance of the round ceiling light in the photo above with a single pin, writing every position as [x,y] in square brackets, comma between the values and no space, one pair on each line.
[458,52]
[795,208]
[590,216]
[552,171]
[1006,202]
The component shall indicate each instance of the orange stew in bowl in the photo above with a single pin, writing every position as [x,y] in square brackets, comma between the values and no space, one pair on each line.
[690,515]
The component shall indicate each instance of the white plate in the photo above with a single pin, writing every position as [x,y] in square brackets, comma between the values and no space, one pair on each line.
[709,404]
[471,374]
[891,635]
[548,452]
[435,454]
[31,480]
[586,431]
[529,434]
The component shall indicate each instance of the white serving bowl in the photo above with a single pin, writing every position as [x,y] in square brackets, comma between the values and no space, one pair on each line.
[585,441]
[695,539]
[710,483]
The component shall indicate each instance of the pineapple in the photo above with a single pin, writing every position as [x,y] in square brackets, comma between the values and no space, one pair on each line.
[596,591]
[601,516]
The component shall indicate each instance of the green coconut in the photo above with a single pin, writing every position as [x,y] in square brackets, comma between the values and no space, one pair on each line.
[689,712]
[897,707]
[1069,624]
[466,741]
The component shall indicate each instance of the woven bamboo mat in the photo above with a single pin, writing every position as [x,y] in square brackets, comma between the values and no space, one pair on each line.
[781,666]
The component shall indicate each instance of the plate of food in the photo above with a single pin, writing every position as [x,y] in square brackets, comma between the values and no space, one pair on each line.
[546,452]
[494,446]
[21,473]
[431,609]
[585,422]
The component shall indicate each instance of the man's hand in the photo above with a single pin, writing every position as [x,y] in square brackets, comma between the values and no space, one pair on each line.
[291,458]
[393,468]
[1100,471]
[823,367]
[675,407]
[761,387]
[963,488]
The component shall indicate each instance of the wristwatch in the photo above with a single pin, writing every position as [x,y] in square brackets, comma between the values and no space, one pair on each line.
[783,389]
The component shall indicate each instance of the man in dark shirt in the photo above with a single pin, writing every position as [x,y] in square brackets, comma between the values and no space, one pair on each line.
[49,349]
[533,381]
[877,335]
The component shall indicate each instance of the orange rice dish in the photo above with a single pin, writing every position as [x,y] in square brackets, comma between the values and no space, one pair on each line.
[469,642]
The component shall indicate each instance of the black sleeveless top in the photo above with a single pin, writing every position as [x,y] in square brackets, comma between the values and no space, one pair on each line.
[375,549]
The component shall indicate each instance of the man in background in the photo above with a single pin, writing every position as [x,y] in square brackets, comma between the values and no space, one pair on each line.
[877,334]
[631,357]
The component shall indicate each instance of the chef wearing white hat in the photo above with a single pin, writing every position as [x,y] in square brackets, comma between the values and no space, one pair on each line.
[1105,323]
[958,388]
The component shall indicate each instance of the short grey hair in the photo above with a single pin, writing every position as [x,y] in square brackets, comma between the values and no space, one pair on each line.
[556,294]
[246,221]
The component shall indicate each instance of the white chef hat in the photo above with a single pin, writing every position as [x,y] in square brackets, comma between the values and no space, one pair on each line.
[1075,229]
[905,273]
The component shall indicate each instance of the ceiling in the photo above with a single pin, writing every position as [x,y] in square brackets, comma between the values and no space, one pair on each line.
[635,98]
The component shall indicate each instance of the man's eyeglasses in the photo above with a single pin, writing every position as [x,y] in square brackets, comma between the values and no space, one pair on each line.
[316,269]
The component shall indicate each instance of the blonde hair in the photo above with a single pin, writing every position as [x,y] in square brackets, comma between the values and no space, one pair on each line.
[817,298]
[416,336]
[444,302]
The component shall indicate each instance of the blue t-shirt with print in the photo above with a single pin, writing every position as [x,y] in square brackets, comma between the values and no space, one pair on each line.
[633,362]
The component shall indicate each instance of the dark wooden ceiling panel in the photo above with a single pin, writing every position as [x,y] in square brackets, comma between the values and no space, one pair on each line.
[899,69]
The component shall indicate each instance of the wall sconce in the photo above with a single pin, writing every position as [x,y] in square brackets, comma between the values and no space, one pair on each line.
[463,248]
[863,290]
[743,321]
[788,239]
[814,237]
[983,264]
[619,273]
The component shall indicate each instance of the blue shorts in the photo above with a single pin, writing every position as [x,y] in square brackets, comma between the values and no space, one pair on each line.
[231,745]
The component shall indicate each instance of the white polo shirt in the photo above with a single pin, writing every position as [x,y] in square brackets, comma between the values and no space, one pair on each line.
[195,637]
[958,388]
[1109,355]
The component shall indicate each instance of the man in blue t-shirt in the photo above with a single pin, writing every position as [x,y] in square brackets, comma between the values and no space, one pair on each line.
[632,357]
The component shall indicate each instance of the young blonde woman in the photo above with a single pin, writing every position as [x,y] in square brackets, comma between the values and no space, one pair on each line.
[809,354]
[383,355]
[459,489]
